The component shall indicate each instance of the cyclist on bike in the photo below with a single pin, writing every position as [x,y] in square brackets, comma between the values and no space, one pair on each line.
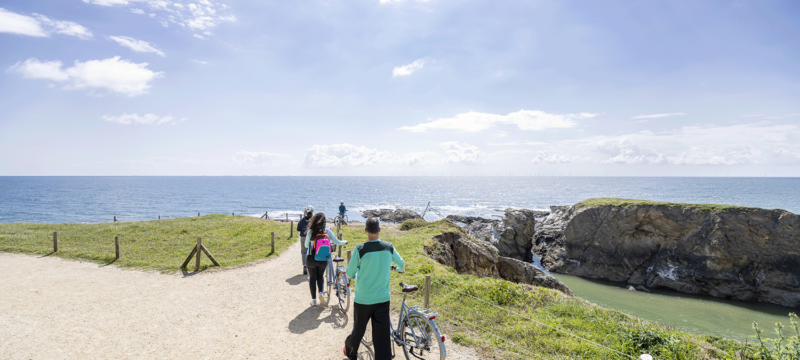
[370,266]
[342,209]
[316,269]
[302,227]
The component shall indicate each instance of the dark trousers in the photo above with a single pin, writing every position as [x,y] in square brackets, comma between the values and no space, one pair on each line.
[316,274]
[379,314]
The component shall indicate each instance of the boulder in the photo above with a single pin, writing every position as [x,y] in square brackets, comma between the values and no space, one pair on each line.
[728,252]
[482,259]
[525,273]
[388,215]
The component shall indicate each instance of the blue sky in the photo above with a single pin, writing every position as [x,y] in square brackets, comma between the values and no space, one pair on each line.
[400,87]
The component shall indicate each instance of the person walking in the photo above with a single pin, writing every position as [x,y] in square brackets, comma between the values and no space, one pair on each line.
[302,228]
[342,209]
[316,268]
[370,266]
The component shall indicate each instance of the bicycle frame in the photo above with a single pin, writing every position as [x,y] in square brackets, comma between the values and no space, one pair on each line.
[404,311]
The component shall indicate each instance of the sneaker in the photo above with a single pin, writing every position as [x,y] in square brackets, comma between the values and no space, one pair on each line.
[305,270]
[313,302]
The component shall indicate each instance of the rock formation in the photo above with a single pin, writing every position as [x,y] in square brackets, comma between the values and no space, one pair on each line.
[481,259]
[388,215]
[727,252]
[512,235]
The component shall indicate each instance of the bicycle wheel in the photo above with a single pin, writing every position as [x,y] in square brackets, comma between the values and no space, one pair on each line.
[424,341]
[367,339]
[342,292]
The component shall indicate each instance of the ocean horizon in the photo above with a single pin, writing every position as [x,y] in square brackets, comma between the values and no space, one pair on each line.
[93,199]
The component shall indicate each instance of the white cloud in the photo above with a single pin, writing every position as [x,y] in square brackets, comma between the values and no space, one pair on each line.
[740,144]
[20,24]
[136,45]
[461,153]
[137,11]
[146,119]
[345,155]
[200,62]
[199,37]
[259,158]
[113,74]
[39,25]
[544,157]
[203,15]
[524,119]
[656,116]
[407,70]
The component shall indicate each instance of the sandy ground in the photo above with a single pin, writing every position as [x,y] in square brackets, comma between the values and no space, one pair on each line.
[57,309]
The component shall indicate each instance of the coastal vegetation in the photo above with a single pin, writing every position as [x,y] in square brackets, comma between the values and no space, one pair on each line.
[160,245]
[633,202]
[498,318]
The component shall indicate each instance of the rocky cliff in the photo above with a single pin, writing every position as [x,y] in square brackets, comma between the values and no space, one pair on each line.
[723,251]
[512,235]
[481,259]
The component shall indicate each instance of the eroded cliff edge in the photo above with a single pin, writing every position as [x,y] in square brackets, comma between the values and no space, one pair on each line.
[724,251]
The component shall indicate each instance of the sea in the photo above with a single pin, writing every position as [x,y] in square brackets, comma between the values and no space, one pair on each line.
[133,198]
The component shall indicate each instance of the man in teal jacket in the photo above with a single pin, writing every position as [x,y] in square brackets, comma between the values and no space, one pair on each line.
[370,266]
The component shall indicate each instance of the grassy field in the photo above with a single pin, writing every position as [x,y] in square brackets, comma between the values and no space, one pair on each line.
[499,319]
[158,244]
[513,321]
[632,202]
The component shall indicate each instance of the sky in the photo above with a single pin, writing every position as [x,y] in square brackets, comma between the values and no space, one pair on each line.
[400,87]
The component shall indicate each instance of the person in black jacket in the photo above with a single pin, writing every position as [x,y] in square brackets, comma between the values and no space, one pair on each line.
[302,228]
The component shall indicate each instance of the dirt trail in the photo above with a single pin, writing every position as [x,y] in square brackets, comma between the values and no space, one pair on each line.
[57,309]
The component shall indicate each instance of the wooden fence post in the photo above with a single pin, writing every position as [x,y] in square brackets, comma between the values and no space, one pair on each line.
[116,245]
[349,253]
[197,262]
[273,242]
[427,290]
[291,229]
[55,241]
[198,214]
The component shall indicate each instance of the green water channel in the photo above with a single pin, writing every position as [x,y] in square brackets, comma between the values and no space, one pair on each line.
[691,313]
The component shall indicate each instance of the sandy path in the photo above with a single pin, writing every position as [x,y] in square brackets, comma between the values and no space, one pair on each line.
[57,309]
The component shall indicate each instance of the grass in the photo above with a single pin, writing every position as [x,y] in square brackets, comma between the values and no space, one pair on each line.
[505,320]
[160,245]
[499,319]
[631,202]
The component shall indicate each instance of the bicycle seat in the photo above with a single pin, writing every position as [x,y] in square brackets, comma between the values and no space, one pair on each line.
[337,259]
[409,288]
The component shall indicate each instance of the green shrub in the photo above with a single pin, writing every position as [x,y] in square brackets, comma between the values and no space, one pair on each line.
[658,342]
[412,224]
[783,348]
[505,293]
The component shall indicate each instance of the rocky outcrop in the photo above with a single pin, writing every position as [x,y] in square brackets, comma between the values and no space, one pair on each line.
[512,235]
[728,252]
[388,215]
[481,259]
[466,220]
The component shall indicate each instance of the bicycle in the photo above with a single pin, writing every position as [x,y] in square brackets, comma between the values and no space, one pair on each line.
[338,282]
[340,220]
[416,330]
